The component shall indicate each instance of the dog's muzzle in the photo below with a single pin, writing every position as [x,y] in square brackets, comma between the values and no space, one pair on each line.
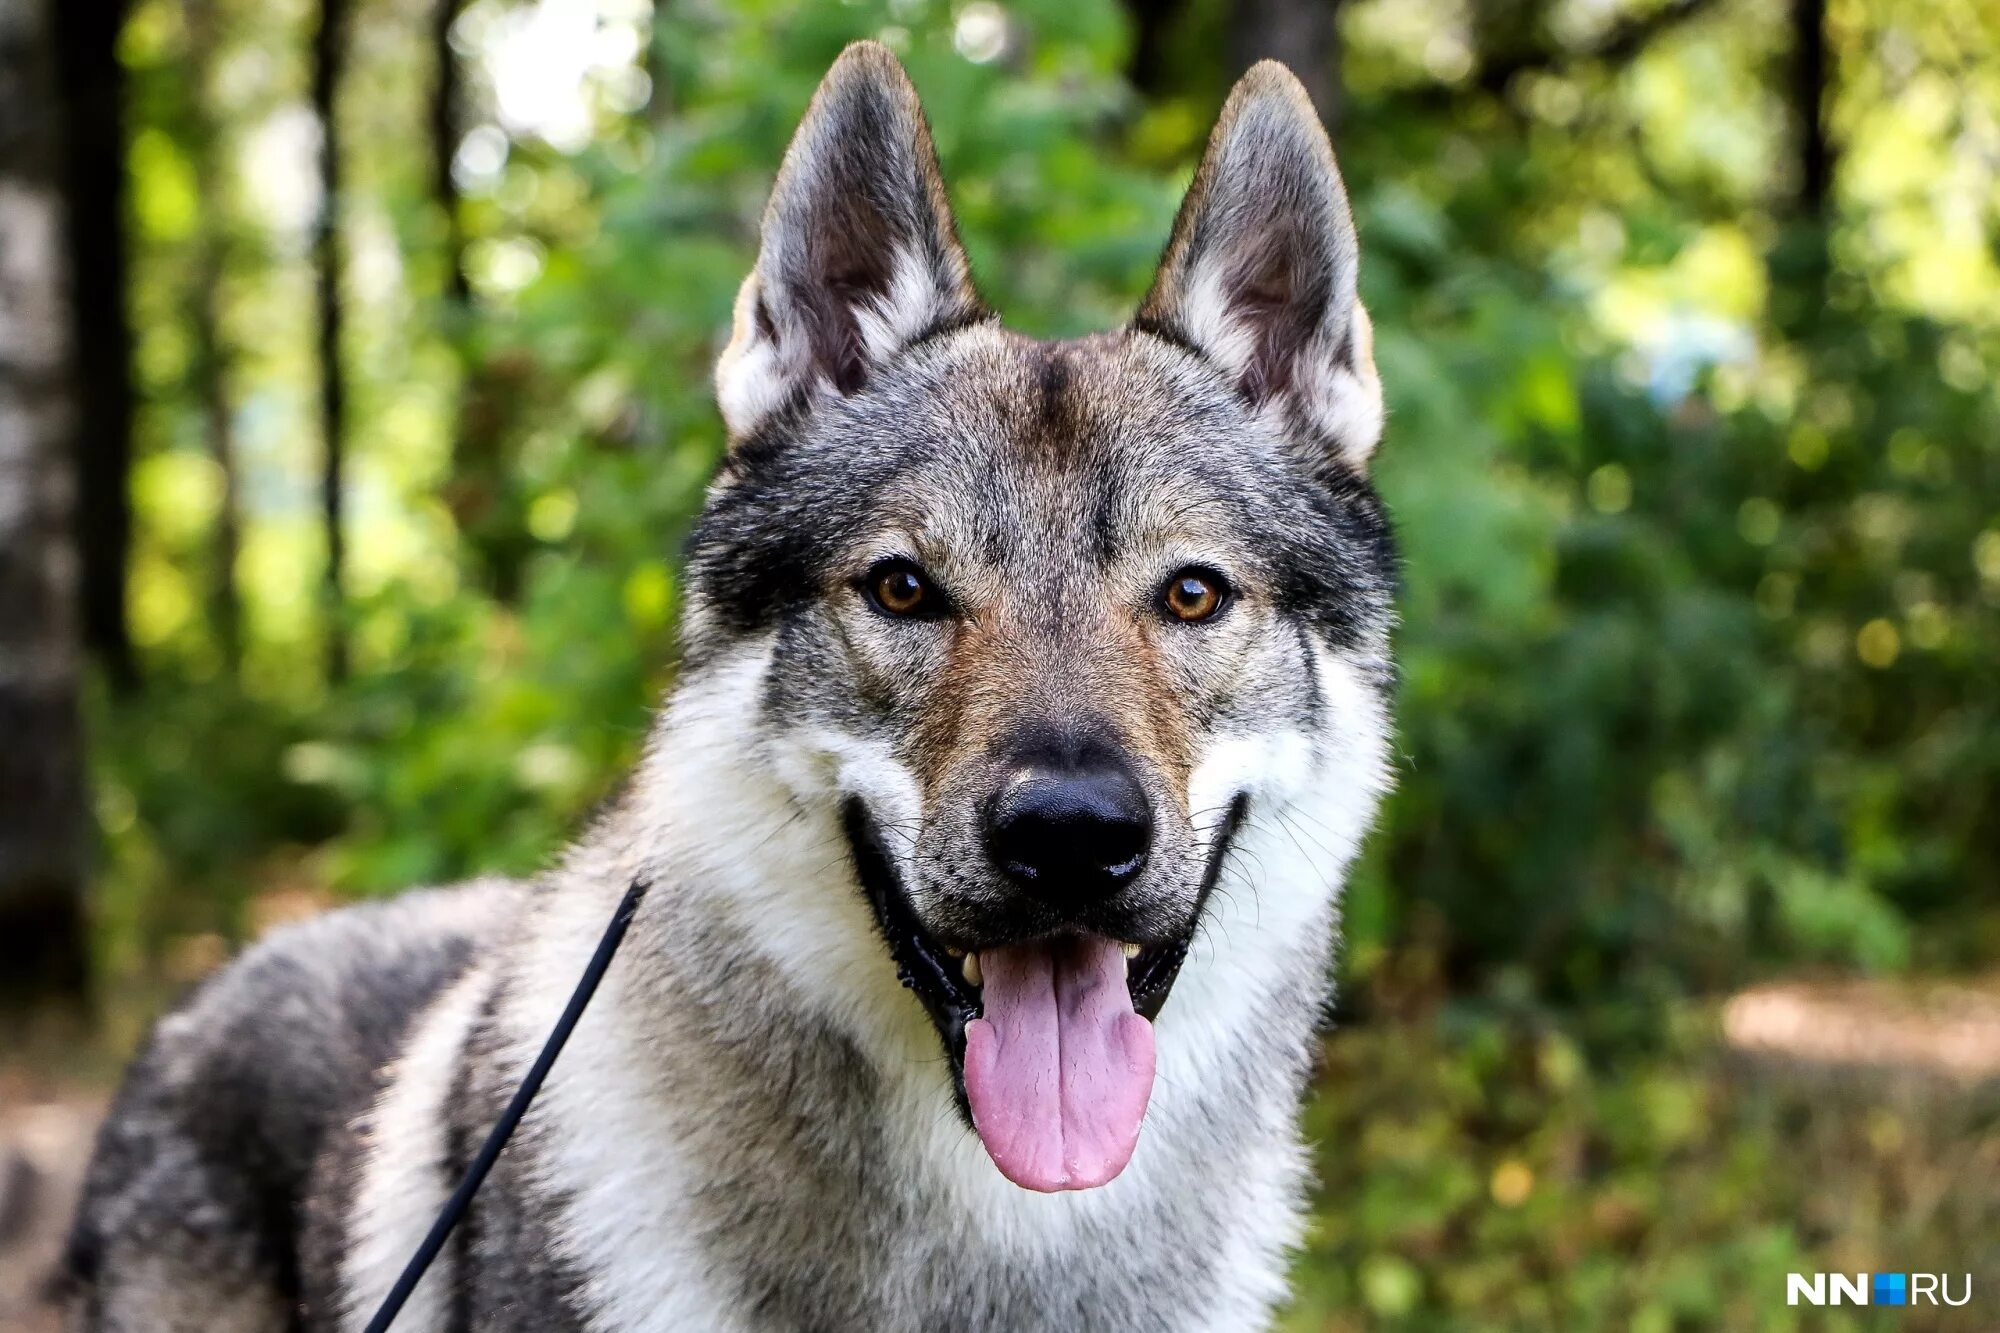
[1049,1031]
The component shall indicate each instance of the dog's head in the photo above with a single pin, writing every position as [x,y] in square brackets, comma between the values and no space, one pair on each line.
[1046,624]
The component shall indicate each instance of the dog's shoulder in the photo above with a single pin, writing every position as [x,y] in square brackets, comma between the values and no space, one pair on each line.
[210,1143]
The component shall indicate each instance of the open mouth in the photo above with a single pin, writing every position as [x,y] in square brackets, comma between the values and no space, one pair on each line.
[1050,1039]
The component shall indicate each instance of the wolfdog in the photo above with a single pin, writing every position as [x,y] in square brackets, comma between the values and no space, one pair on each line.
[1034,702]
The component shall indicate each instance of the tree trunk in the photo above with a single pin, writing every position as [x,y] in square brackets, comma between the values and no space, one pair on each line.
[492,536]
[444,149]
[1799,261]
[1304,34]
[211,359]
[329,47]
[663,101]
[211,370]
[42,839]
[89,89]
[1809,95]
[1152,21]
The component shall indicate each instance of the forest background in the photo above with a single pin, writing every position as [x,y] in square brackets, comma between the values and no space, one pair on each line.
[354,402]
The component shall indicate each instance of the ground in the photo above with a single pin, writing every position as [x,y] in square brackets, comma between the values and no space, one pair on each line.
[45,1136]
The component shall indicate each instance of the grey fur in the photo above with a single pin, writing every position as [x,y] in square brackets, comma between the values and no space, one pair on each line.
[204,1160]
[754,1128]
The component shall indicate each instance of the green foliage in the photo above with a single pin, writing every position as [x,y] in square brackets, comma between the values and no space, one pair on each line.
[1500,1175]
[1665,703]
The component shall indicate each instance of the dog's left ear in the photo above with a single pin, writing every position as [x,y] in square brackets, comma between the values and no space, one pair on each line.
[1259,274]
[859,255]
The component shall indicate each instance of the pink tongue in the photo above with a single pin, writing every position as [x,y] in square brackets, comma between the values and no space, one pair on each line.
[1059,1070]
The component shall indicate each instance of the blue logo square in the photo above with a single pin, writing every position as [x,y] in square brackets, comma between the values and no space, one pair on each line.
[1892,1289]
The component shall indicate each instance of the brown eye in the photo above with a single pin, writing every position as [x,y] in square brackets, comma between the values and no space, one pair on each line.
[899,588]
[1195,594]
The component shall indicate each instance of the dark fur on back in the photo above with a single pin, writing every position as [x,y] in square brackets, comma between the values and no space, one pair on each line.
[209,1147]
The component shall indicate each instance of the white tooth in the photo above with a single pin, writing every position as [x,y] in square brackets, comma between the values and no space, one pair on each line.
[1129,950]
[973,976]
[955,953]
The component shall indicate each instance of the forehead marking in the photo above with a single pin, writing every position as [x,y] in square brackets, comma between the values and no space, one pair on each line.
[1054,375]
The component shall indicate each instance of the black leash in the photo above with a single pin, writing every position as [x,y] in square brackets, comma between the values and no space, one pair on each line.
[503,1129]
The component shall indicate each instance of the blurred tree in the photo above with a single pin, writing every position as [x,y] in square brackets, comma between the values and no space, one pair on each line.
[445,134]
[1304,34]
[486,497]
[1809,85]
[209,361]
[658,63]
[329,56]
[1510,39]
[479,492]
[90,89]
[1152,23]
[42,846]
[1799,259]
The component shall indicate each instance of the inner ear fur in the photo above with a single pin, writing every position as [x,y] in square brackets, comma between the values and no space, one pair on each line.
[1259,273]
[859,254]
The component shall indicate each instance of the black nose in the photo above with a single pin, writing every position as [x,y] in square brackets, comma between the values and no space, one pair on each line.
[1070,834]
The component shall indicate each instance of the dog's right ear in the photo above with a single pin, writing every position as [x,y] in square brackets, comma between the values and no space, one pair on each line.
[859,255]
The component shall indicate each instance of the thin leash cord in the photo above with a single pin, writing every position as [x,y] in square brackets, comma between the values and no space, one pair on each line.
[503,1129]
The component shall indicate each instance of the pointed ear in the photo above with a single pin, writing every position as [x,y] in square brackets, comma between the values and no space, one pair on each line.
[859,256]
[1259,273]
